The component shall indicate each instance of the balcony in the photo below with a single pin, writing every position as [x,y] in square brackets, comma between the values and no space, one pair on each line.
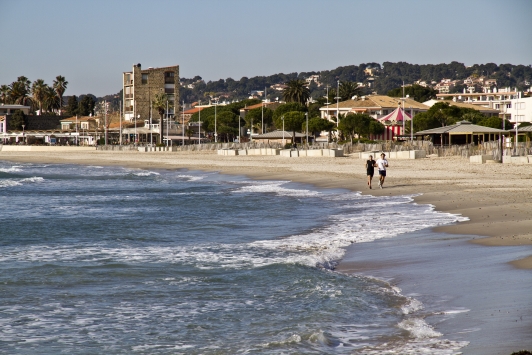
[169,91]
[128,109]
[169,80]
[128,96]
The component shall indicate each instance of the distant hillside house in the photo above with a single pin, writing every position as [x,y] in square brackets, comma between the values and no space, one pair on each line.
[278,87]
[313,78]
[141,85]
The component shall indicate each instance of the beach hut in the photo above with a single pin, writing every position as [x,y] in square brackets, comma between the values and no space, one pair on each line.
[279,137]
[463,132]
[393,124]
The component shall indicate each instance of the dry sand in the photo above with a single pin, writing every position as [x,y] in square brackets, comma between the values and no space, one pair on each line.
[496,197]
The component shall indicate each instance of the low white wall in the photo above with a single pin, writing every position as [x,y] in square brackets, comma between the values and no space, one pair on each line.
[285,153]
[44,148]
[517,160]
[315,153]
[480,159]
[405,154]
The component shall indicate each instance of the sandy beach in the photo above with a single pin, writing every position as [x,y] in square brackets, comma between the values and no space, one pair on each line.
[491,254]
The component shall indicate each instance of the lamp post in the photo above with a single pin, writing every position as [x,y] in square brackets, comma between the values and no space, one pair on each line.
[76,129]
[215,130]
[262,123]
[183,128]
[306,114]
[120,120]
[403,101]
[239,131]
[516,122]
[282,118]
[151,125]
[167,121]
[136,137]
[199,123]
[337,98]
[23,132]
[105,125]
[411,125]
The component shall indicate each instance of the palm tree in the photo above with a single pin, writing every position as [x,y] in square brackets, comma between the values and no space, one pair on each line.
[159,103]
[348,89]
[296,91]
[38,90]
[50,100]
[4,94]
[19,93]
[60,85]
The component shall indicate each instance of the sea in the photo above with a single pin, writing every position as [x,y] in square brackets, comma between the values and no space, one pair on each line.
[112,260]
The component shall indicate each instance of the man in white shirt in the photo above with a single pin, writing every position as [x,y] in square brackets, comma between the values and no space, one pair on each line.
[382,164]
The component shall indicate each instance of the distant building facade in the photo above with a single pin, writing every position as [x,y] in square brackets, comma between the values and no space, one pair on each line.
[140,87]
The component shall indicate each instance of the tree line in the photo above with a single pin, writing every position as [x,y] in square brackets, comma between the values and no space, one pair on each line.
[38,95]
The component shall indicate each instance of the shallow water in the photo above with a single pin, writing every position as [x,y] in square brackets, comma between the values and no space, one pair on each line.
[121,261]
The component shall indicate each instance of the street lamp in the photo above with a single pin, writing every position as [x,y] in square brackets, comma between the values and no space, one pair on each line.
[136,137]
[306,114]
[199,123]
[23,132]
[151,124]
[282,118]
[215,131]
[167,121]
[337,98]
[516,122]
[411,125]
[262,126]
[183,128]
[239,129]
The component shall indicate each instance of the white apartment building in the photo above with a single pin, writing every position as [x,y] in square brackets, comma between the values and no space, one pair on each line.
[517,110]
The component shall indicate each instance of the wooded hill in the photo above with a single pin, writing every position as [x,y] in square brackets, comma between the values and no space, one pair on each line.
[386,77]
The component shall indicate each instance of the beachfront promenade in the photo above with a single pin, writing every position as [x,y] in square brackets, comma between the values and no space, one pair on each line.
[488,152]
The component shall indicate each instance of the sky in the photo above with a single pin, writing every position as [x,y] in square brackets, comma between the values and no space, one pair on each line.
[92,43]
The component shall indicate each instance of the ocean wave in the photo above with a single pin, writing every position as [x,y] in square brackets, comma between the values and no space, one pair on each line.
[11,169]
[277,188]
[146,173]
[321,246]
[17,182]
[191,177]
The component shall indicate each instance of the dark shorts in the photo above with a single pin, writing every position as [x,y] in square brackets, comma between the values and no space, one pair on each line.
[382,172]
[370,173]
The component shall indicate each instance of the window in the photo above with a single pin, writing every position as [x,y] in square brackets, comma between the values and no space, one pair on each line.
[144,78]
[169,77]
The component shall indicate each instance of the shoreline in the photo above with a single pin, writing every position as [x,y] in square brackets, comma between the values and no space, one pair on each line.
[495,197]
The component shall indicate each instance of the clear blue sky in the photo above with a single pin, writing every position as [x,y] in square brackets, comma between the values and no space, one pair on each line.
[92,42]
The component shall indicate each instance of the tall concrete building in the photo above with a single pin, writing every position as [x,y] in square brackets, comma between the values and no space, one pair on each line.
[140,87]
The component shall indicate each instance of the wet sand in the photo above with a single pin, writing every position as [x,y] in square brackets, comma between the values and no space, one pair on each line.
[472,273]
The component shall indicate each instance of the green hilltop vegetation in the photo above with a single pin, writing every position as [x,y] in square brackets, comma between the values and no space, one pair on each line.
[383,78]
